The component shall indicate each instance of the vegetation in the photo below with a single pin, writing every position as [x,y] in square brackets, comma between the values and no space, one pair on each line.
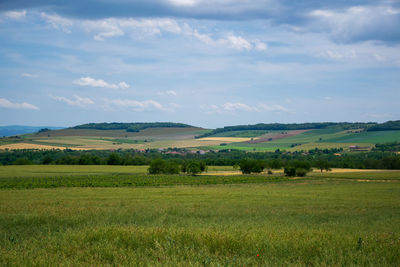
[308,223]
[335,158]
[131,127]
[248,166]
[290,126]
[389,125]
[297,168]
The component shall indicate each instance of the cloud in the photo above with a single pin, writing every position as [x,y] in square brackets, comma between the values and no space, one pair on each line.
[168,93]
[358,23]
[16,15]
[88,81]
[114,27]
[77,101]
[146,105]
[29,75]
[233,107]
[58,22]
[4,103]
[230,41]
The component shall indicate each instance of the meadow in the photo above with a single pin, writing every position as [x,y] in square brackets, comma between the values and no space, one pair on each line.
[256,220]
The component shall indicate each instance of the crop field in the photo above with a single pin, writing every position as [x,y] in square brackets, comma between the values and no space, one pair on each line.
[248,133]
[256,220]
[225,139]
[156,138]
[368,137]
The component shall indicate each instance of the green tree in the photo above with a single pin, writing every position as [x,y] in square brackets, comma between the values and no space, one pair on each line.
[114,159]
[157,166]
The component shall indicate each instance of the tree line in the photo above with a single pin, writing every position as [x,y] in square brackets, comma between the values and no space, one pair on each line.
[131,127]
[359,160]
[369,126]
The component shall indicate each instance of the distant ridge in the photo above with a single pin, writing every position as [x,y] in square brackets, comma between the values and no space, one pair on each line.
[132,127]
[368,126]
[11,130]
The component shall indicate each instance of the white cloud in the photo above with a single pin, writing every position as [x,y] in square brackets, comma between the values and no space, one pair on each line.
[146,105]
[29,75]
[358,23]
[77,101]
[170,92]
[184,2]
[112,27]
[237,106]
[88,81]
[17,15]
[232,107]
[230,41]
[4,103]
[58,22]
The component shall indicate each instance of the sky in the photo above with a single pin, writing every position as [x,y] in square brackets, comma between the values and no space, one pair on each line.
[208,63]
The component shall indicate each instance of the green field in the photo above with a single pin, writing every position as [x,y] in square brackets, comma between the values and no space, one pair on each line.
[368,137]
[161,138]
[329,219]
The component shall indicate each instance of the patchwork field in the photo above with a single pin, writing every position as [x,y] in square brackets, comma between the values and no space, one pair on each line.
[156,138]
[253,221]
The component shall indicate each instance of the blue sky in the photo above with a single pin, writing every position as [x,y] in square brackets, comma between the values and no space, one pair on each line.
[201,62]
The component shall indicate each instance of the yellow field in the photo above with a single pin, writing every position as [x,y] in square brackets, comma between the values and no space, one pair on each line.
[34,146]
[226,139]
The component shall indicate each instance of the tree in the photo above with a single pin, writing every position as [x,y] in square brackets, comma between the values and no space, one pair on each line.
[322,165]
[114,159]
[157,166]
[248,166]
[193,167]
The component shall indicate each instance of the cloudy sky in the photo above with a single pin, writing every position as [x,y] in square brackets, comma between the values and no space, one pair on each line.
[208,63]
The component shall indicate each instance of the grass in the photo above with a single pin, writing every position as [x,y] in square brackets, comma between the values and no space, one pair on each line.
[307,223]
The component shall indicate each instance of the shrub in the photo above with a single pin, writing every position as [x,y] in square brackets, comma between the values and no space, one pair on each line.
[301,172]
[290,171]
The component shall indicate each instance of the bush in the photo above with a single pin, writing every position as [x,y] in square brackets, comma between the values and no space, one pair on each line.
[301,172]
[290,171]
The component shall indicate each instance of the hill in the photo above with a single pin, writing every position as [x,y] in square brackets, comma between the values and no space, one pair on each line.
[11,130]
[342,136]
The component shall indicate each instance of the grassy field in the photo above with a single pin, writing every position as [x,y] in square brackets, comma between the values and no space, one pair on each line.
[313,221]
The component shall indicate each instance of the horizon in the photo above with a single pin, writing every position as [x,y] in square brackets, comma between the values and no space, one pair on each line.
[204,63]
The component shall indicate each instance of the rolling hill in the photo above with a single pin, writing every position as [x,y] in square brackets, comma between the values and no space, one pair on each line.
[258,137]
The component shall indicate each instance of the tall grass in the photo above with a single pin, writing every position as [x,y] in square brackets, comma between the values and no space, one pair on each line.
[316,222]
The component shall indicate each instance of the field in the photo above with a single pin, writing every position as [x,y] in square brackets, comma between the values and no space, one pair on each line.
[334,219]
[161,138]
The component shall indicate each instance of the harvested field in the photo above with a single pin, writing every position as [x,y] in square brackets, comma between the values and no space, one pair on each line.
[226,139]
[35,146]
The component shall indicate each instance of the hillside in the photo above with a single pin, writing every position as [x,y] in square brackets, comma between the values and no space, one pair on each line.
[259,137]
[11,130]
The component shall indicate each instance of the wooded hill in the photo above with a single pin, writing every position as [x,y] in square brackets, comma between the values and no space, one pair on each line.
[368,126]
[131,127]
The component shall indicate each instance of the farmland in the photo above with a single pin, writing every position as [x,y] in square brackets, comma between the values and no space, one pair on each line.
[332,219]
[92,138]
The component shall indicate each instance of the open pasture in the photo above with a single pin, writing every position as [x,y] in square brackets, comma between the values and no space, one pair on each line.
[300,222]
